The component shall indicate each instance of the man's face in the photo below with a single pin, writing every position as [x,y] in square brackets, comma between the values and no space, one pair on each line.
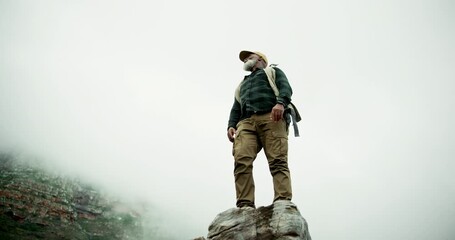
[250,62]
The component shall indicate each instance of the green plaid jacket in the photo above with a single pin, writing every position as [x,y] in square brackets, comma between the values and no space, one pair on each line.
[256,95]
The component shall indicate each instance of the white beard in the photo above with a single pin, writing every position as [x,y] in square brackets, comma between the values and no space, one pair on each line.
[248,65]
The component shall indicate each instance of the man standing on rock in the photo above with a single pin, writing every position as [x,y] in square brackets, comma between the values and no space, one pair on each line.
[256,122]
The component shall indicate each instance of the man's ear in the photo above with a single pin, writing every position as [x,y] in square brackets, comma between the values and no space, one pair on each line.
[262,62]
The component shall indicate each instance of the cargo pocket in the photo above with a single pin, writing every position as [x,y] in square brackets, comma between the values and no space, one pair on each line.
[239,128]
[236,140]
[279,142]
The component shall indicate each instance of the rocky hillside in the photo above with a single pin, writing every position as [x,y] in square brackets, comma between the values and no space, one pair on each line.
[35,204]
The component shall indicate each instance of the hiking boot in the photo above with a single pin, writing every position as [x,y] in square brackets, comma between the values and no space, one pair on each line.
[244,203]
[247,207]
[281,201]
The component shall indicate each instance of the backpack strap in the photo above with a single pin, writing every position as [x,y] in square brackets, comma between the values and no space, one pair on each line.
[237,92]
[295,116]
[270,72]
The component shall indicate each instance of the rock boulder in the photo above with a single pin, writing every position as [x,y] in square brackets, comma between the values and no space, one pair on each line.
[279,221]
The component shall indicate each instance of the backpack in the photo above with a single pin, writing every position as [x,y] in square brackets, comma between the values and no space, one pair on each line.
[290,112]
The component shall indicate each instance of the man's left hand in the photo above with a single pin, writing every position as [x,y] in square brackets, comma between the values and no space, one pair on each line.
[277,112]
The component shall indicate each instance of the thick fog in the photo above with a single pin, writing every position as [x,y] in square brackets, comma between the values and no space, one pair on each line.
[135,96]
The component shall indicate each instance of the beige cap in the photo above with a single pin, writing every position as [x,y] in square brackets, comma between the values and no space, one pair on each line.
[244,54]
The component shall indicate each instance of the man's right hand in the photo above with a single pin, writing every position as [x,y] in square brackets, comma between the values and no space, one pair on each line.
[231,134]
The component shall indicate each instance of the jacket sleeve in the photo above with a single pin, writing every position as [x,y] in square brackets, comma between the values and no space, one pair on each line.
[234,116]
[284,87]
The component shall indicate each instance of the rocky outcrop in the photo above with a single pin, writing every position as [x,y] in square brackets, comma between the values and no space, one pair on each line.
[281,221]
[36,204]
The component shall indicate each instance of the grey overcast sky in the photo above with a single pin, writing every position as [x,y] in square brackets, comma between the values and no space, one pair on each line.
[135,96]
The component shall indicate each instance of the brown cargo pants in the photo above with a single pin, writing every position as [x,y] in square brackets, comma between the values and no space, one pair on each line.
[253,134]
